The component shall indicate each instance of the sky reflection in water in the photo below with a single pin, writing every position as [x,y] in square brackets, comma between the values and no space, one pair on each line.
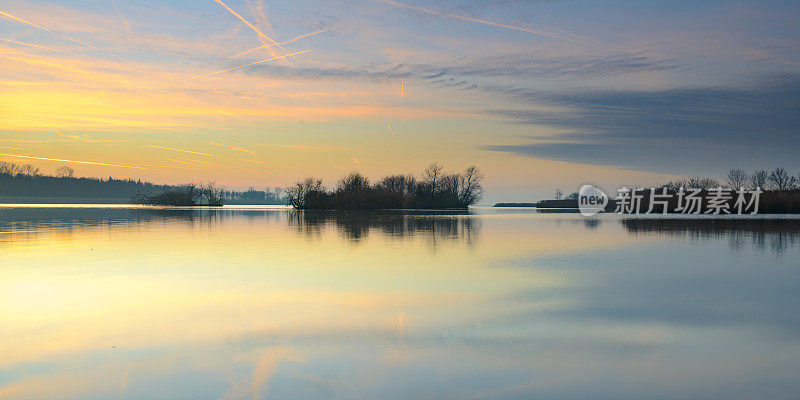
[256,303]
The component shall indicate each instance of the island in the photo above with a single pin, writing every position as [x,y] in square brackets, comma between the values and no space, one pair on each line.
[435,190]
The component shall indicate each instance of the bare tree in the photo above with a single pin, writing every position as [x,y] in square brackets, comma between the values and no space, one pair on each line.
[781,180]
[296,195]
[212,194]
[758,179]
[30,170]
[471,187]
[737,178]
[697,182]
[17,169]
[65,172]
[558,194]
[8,168]
[432,174]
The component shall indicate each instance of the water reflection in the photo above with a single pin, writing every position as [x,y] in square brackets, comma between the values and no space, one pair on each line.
[259,303]
[767,235]
[434,227]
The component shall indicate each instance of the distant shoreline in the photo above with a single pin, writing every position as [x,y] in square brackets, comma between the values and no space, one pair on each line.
[106,200]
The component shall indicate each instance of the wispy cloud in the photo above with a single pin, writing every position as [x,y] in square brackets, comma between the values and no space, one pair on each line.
[674,130]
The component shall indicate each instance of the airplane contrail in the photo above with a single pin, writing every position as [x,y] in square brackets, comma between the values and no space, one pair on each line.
[390,128]
[242,66]
[481,21]
[181,150]
[121,17]
[59,35]
[286,42]
[28,44]
[402,91]
[254,161]
[294,146]
[234,148]
[71,161]
[246,22]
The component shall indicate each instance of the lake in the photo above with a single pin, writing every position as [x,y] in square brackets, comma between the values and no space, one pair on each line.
[257,302]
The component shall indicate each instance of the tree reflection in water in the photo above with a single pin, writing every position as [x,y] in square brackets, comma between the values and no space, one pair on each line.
[765,234]
[435,227]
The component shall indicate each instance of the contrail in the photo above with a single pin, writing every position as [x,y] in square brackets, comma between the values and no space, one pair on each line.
[390,128]
[234,148]
[122,18]
[203,162]
[295,146]
[181,150]
[286,42]
[356,160]
[242,66]
[481,21]
[28,44]
[246,22]
[71,161]
[254,161]
[402,91]
[179,161]
[59,35]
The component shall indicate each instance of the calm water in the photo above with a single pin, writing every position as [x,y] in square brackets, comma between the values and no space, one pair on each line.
[254,303]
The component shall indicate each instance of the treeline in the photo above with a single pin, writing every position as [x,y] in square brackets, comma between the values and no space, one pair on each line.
[254,196]
[435,190]
[780,191]
[778,179]
[27,181]
[186,195]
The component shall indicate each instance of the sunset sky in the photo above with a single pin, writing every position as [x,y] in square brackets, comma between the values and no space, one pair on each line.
[538,94]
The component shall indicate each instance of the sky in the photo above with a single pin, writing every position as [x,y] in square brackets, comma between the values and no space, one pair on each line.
[538,94]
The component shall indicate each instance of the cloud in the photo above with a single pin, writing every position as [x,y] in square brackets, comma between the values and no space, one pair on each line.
[675,130]
[513,66]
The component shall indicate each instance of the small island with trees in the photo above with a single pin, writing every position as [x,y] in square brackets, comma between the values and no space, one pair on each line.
[780,191]
[435,190]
